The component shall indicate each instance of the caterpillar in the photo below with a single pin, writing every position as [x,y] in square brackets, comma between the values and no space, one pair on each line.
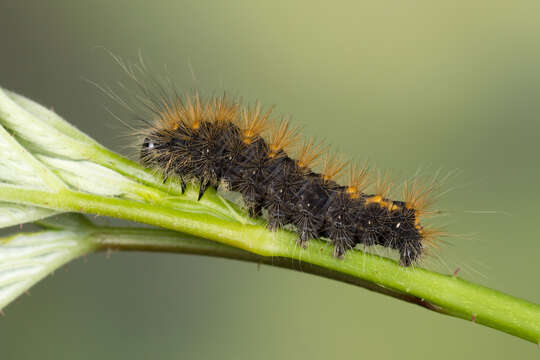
[217,141]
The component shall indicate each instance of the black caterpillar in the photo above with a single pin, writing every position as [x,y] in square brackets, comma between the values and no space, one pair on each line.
[218,141]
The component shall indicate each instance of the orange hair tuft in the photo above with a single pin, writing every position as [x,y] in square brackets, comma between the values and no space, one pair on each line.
[224,110]
[418,196]
[281,137]
[384,184]
[309,154]
[358,180]
[253,121]
[192,111]
[333,165]
[170,115]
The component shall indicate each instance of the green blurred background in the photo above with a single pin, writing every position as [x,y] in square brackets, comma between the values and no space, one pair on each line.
[405,84]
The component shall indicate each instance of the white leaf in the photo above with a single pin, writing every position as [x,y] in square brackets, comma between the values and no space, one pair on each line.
[90,177]
[26,258]
[14,214]
[50,117]
[17,166]
[38,135]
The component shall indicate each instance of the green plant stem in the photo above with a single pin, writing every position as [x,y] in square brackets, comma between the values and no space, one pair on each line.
[448,294]
[160,240]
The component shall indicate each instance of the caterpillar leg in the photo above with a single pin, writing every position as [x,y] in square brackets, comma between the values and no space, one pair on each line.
[182,185]
[304,235]
[204,186]
[255,210]
[307,227]
[276,220]
[409,252]
[342,245]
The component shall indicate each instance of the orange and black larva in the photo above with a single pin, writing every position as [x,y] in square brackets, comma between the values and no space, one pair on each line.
[218,141]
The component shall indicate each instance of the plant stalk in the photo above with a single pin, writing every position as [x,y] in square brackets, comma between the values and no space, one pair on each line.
[443,293]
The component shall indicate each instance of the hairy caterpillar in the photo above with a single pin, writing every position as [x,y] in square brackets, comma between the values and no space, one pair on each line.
[218,140]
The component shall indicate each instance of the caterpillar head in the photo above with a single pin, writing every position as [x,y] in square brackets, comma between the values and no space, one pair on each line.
[157,148]
[148,150]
